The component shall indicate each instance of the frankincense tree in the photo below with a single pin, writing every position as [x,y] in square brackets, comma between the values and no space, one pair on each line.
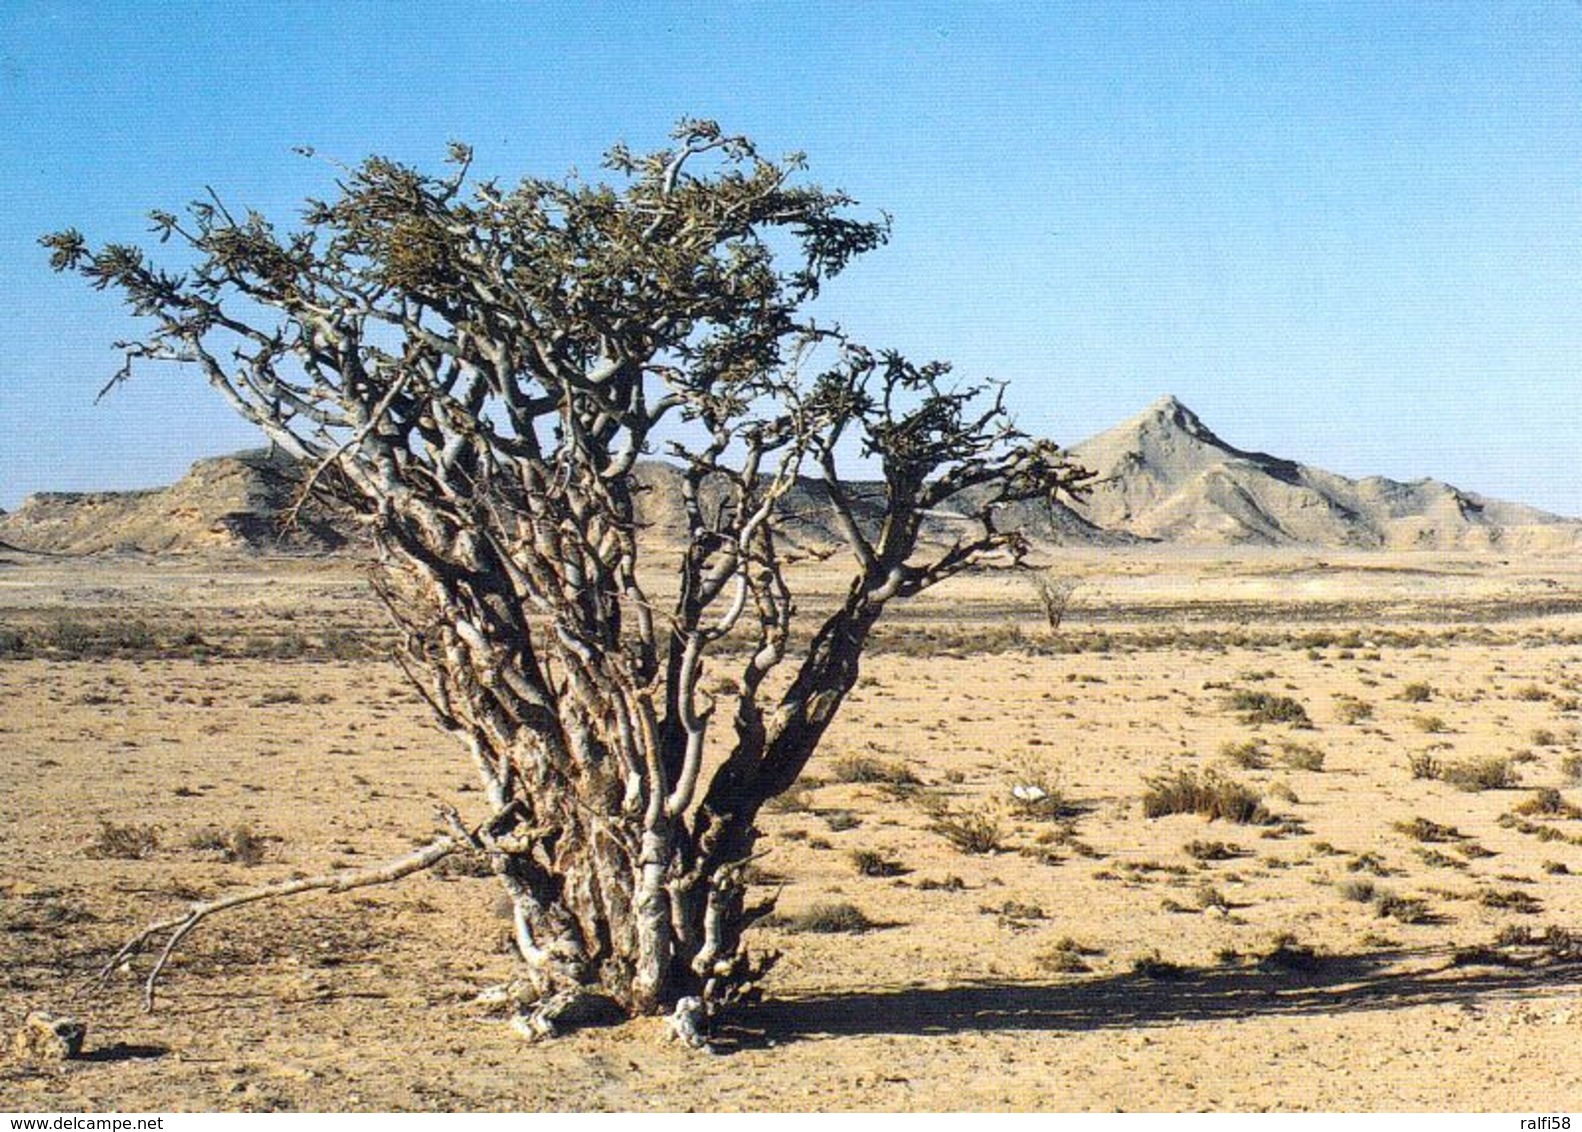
[474,372]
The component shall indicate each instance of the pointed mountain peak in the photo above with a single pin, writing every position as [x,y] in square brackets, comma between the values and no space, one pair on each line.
[1170,410]
[1168,416]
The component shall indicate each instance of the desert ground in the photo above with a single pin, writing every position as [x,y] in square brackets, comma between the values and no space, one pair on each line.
[1396,926]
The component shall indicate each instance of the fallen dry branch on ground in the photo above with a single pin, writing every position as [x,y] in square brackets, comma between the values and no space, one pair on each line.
[180,927]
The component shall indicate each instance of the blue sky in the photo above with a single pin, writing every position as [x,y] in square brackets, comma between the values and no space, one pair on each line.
[1346,233]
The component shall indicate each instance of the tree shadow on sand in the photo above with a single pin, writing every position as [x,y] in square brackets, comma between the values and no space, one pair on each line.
[1391,980]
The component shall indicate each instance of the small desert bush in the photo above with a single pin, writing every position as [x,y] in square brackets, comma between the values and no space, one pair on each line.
[1153,966]
[1571,767]
[1417,693]
[971,831]
[239,845]
[1548,803]
[1543,737]
[1248,754]
[1421,829]
[871,863]
[867,769]
[1430,724]
[825,919]
[1368,863]
[1511,900]
[1489,773]
[1213,850]
[839,821]
[1434,859]
[1349,709]
[1289,955]
[1014,912]
[1208,794]
[1207,897]
[1405,909]
[797,800]
[950,883]
[1066,957]
[1035,793]
[1359,889]
[1531,693]
[1265,707]
[1423,764]
[130,842]
[1302,756]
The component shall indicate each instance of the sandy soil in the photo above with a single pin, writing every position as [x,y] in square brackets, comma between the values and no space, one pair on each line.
[1328,957]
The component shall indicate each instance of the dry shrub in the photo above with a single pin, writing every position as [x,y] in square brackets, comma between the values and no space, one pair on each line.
[825,919]
[871,863]
[1066,957]
[972,831]
[839,821]
[1549,803]
[1405,909]
[1349,709]
[1421,829]
[130,842]
[1208,794]
[1359,889]
[1424,765]
[1213,850]
[1248,754]
[1489,773]
[1265,707]
[239,845]
[1511,900]
[797,800]
[1289,955]
[869,770]
[1302,756]
[1153,966]
[1417,693]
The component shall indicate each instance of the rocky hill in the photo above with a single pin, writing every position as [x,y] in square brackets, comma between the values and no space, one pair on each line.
[1162,476]
[226,503]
